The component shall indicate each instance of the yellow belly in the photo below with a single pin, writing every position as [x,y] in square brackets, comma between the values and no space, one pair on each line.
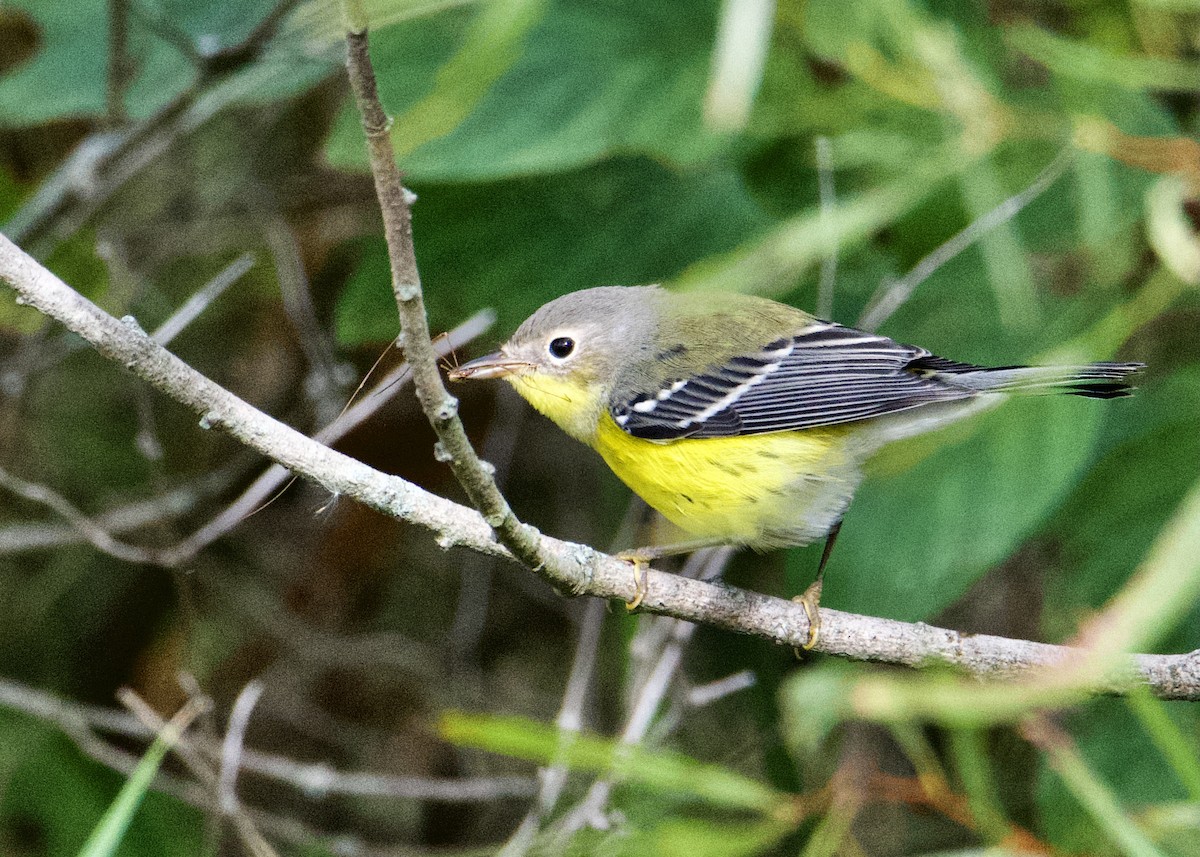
[764,490]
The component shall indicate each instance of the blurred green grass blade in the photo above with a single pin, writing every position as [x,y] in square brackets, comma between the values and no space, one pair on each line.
[558,91]
[1169,739]
[107,835]
[669,772]
[830,834]
[1099,801]
[319,24]
[772,265]
[968,748]
[1085,62]
[1164,588]
[491,45]
[697,837]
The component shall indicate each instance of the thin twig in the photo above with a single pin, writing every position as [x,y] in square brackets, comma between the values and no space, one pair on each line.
[20,538]
[326,377]
[707,694]
[651,689]
[233,747]
[315,780]
[200,768]
[202,299]
[105,161]
[569,722]
[828,199]
[439,406]
[570,714]
[499,446]
[93,533]
[890,296]
[261,489]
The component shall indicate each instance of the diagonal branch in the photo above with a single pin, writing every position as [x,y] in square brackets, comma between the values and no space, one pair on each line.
[573,568]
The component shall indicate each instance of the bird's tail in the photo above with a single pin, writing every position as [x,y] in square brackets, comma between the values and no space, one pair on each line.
[1095,380]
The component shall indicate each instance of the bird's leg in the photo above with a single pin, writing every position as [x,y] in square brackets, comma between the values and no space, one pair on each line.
[642,557]
[810,600]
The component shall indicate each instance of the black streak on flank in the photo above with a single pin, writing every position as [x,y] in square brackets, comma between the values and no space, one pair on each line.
[674,351]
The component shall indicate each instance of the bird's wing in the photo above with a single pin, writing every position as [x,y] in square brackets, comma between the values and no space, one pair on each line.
[824,375]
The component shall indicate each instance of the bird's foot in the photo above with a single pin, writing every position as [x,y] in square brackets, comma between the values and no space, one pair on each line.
[810,600]
[640,560]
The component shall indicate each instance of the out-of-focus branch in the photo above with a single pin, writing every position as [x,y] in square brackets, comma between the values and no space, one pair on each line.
[81,723]
[261,489]
[93,533]
[580,569]
[105,161]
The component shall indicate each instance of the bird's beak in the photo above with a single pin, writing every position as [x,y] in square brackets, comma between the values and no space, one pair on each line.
[490,366]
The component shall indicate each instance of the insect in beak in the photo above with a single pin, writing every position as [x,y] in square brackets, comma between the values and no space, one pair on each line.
[490,366]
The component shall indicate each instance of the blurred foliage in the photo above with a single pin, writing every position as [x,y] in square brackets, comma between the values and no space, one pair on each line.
[555,145]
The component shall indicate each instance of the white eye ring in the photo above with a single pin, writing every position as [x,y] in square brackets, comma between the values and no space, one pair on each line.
[561,347]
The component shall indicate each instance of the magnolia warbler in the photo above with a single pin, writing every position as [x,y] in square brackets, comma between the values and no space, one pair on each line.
[742,420]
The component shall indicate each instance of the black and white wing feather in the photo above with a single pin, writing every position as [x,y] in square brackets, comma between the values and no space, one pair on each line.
[825,375]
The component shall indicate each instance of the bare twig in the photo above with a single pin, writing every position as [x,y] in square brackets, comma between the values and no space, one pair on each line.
[233,747]
[93,533]
[891,295]
[825,284]
[666,638]
[315,780]
[261,489]
[105,161]
[569,722]
[578,569]
[706,694]
[19,538]
[477,571]
[202,299]
[326,377]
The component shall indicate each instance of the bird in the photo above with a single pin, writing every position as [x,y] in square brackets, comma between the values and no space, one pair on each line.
[742,420]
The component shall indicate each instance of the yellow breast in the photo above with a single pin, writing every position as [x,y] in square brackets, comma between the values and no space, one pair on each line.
[762,490]
[766,490]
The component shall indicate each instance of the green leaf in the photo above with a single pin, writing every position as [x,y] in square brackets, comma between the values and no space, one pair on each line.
[771,265]
[1078,59]
[918,535]
[593,80]
[1114,515]
[68,76]
[658,770]
[695,837]
[514,244]
[490,47]
[57,793]
[107,835]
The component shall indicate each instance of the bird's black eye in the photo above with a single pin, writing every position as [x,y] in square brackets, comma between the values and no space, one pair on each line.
[561,347]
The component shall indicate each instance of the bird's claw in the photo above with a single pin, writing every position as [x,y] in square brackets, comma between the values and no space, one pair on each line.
[640,564]
[810,600]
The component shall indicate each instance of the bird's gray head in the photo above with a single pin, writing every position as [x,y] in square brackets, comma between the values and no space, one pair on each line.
[586,336]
